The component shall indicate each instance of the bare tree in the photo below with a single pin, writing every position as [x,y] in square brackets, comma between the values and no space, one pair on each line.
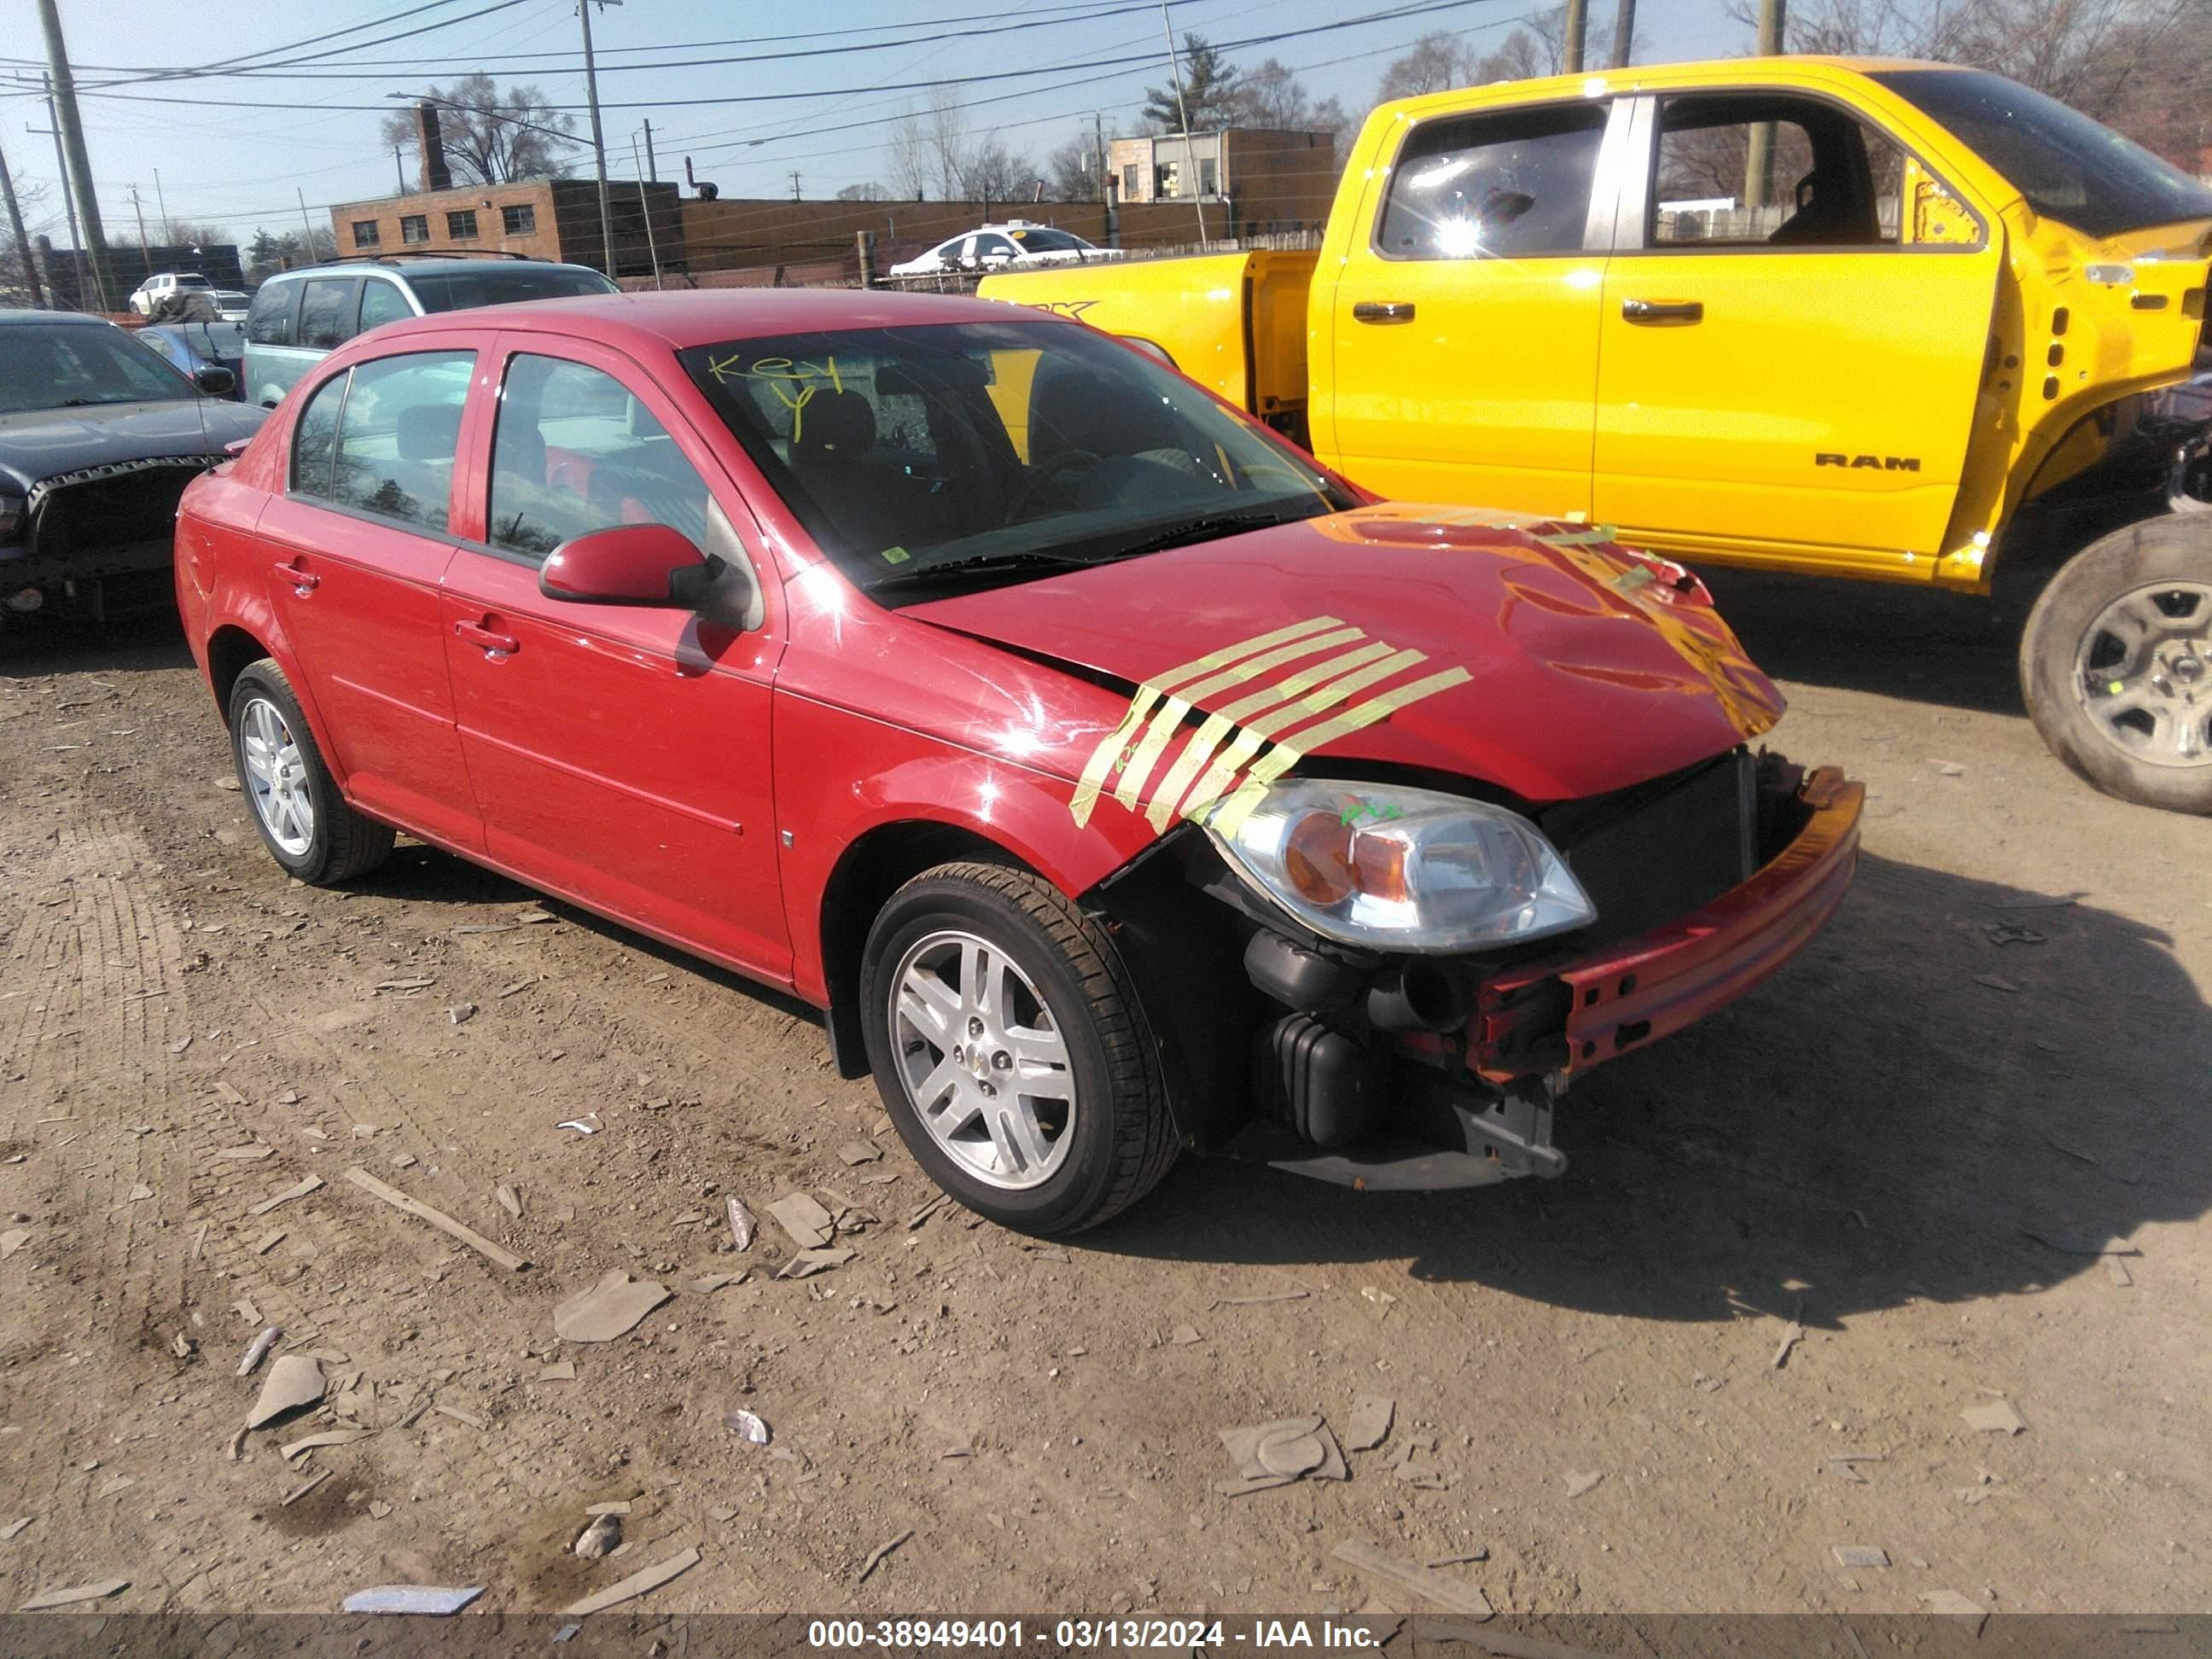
[932,149]
[870,191]
[1071,172]
[490,136]
[1435,62]
[184,232]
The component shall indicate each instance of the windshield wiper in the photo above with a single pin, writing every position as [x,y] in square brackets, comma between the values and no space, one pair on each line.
[928,574]
[1184,532]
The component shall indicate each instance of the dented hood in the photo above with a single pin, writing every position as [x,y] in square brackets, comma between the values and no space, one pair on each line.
[1529,654]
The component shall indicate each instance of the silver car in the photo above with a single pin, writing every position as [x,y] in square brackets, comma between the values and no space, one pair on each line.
[299,317]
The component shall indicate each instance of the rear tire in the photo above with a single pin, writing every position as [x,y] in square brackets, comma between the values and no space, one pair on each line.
[2116,663]
[979,980]
[304,821]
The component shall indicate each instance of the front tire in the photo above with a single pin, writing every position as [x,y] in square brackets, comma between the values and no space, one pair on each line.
[2116,663]
[1008,1048]
[305,822]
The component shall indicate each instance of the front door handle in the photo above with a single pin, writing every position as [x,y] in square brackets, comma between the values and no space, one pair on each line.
[303,582]
[1663,311]
[1382,311]
[488,639]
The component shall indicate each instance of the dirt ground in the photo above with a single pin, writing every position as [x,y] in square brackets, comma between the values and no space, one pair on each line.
[1999,1049]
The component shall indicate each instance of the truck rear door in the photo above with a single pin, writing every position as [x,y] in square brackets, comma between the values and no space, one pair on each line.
[1457,337]
[1790,356]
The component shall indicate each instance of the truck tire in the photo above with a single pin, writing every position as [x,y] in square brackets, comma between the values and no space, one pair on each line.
[2116,663]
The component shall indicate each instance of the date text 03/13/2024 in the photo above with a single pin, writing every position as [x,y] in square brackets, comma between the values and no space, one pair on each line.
[1090,1635]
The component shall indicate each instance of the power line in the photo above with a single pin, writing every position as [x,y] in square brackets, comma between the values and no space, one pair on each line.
[1393,15]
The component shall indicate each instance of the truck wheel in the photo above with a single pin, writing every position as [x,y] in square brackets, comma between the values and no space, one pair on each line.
[2116,663]
[1004,1035]
[304,823]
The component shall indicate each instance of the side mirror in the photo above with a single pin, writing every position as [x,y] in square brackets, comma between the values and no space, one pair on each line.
[628,564]
[215,380]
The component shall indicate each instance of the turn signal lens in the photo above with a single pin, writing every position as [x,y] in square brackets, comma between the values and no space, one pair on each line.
[1404,869]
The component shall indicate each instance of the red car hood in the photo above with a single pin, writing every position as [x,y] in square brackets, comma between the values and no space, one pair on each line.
[1532,654]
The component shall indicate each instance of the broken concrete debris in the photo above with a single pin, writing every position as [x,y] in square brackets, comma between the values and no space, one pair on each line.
[1964,1608]
[1578,1482]
[635,1585]
[293,1383]
[1276,1454]
[807,1263]
[610,1309]
[430,1599]
[858,1152]
[1446,1593]
[1369,1425]
[807,1223]
[509,1198]
[1994,1417]
[1859,1555]
[65,1598]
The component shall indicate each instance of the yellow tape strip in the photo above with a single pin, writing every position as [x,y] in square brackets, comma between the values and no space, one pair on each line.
[1169,721]
[1233,812]
[1100,764]
[1257,732]
[1200,748]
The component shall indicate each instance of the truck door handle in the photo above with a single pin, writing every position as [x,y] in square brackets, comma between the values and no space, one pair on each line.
[477,634]
[303,582]
[1663,311]
[1382,311]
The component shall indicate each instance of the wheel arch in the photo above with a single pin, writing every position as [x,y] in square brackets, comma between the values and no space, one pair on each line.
[874,866]
[230,649]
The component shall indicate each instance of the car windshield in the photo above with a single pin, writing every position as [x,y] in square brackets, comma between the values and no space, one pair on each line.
[1048,241]
[500,285]
[69,367]
[956,455]
[2067,166]
[213,342]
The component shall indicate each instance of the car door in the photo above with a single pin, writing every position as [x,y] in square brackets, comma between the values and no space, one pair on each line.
[1463,325]
[357,546]
[621,753]
[1785,367]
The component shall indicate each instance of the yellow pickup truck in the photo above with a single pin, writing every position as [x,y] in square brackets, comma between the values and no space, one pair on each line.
[1841,318]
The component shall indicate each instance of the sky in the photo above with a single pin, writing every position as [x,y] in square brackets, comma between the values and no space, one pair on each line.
[206,161]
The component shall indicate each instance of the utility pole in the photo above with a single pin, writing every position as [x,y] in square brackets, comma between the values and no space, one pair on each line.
[1624,34]
[53,130]
[794,184]
[144,252]
[1571,48]
[1182,110]
[22,242]
[399,170]
[1759,162]
[161,202]
[598,137]
[652,167]
[307,248]
[1105,184]
[645,207]
[63,96]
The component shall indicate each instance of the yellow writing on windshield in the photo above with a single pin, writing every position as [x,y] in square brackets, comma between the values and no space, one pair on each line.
[794,384]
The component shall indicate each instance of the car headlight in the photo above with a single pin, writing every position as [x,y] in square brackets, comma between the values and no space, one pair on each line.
[1397,869]
[11,516]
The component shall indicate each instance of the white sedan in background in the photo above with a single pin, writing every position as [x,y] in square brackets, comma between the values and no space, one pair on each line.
[1017,245]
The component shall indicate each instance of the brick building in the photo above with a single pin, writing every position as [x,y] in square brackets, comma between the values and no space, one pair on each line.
[1267,178]
[540,218]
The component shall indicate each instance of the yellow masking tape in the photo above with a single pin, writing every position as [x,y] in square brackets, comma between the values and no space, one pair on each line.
[1234,810]
[1257,732]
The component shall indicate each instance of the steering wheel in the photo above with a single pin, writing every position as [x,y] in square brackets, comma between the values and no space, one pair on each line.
[1067,469]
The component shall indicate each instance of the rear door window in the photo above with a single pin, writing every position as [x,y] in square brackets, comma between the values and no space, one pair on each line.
[268,319]
[382,302]
[326,310]
[1494,187]
[314,439]
[400,428]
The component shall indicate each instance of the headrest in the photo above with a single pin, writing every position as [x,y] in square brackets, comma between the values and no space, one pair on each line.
[835,426]
[428,432]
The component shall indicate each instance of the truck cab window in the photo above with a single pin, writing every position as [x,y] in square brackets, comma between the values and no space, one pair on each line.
[1754,170]
[1493,186]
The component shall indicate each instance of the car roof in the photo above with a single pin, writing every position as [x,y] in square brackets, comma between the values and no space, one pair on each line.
[709,316]
[17,318]
[405,267]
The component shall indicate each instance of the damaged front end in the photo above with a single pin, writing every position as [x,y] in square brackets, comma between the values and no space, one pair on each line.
[1424,1069]
[95,543]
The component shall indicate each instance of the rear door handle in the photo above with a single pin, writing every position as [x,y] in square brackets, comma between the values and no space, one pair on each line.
[1663,311]
[1382,311]
[477,634]
[303,582]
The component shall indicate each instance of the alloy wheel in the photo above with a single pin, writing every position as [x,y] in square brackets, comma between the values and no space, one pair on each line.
[277,776]
[982,1060]
[2145,673]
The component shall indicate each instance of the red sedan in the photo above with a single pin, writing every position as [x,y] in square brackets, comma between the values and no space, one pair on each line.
[1117,779]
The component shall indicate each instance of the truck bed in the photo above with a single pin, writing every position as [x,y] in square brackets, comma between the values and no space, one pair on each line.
[1235,323]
